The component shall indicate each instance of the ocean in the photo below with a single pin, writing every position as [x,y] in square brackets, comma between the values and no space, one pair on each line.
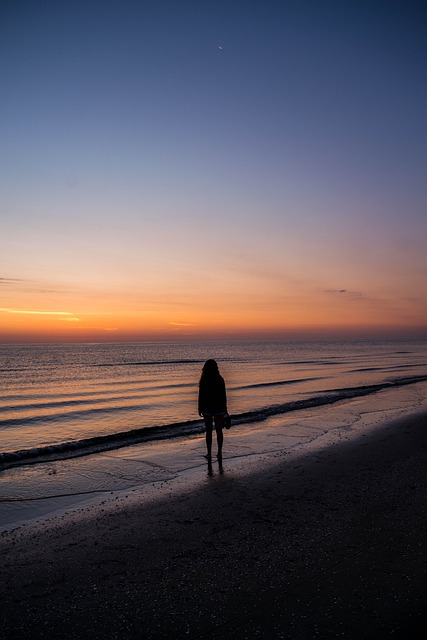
[87,422]
[66,399]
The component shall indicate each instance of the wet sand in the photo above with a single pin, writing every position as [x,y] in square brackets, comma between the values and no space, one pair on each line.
[315,543]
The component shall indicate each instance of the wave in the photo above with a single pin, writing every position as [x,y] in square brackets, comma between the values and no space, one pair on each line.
[85,398]
[130,385]
[278,383]
[70,415]
[146,363]
[390,367]
[84,406]
[187,428]
[321,361]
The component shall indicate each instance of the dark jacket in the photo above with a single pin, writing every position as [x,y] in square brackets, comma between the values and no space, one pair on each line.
[212,395]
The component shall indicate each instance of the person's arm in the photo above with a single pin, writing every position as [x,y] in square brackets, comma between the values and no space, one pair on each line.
[200,400]
[224,395]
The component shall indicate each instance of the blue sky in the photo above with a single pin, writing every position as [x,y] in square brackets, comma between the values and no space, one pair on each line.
[270,153]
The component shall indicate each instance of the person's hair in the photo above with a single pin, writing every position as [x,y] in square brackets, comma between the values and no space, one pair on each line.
[210,369]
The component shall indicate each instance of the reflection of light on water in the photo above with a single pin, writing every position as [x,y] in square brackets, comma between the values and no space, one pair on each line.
[61,393]
[77,476]
[43,490]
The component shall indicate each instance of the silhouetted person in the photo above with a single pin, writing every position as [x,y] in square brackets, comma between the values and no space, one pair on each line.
[212,404]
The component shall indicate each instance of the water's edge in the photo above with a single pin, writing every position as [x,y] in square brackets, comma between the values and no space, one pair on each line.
[118,440]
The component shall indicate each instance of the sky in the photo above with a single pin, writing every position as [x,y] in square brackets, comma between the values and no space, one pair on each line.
[212,169]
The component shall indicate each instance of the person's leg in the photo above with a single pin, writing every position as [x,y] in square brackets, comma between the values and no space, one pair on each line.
[219,423]
[208,426]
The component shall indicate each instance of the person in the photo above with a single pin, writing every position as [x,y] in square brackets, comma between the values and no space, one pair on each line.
[212,405]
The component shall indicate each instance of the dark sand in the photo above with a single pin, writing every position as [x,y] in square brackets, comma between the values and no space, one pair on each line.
[331,544]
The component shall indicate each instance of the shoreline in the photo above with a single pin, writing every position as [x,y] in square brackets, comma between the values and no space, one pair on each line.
[92,445]
[318,542]
[40,493]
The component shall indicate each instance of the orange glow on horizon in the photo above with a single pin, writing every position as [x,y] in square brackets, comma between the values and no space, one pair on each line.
[196,325]
[197,306]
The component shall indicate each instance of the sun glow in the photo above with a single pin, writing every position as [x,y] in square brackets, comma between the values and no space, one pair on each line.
[36,313]
[239,316]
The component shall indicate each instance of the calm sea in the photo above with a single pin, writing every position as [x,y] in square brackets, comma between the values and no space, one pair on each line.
[71,399]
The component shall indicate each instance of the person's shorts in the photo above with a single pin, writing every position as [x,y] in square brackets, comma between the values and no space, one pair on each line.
[209,414]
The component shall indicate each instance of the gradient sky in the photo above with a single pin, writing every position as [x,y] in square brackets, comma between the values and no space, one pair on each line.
[200,169]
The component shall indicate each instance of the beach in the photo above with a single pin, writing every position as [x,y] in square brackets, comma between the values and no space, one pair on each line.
[325,539]
[213,214]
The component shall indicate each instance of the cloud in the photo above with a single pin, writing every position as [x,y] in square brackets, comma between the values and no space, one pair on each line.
[350,294]
[37,313]
[91,328]
[181,324]
[358,296]
[35,286]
